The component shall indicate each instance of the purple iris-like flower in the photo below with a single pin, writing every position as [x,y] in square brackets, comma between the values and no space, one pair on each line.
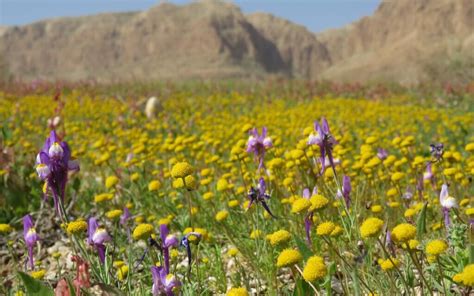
[346,190]
[163,282]
[308,220]
[260,195]
[325,141]
[258,144]
[124,218]
[52,165]
[167,241]
[30,236]
[185,243]
[437,151]
[97,237]
[382,154]
[447,203]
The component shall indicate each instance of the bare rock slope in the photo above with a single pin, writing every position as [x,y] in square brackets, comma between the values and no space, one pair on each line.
[405,41]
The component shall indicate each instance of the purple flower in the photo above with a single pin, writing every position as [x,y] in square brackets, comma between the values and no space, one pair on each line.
[167,241]
[325,141]
[382,154]
[52,165]
[346,190]
[97,237]
[185,243]
[437,151]
[258,144]
[30,236]
[163,282]
[260,195]
[447,203]
[125,216]
[428,175]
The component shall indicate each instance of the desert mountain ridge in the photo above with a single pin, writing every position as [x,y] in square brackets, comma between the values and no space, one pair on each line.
[404,41]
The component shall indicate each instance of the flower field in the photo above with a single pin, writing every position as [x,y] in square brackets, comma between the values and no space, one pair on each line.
[235,193]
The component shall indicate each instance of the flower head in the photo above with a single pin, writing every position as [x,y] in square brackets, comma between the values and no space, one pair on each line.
[325,141]
[259,195]
[325,228]
[76,227]
[52,165]
[30,236]
[403,233]
[237,292]
[436,247]
[181,170]
[142,231]
[279,237]
[97,237]
[258,144]
[288,257]
[371,227]
[163,283]
[315,269]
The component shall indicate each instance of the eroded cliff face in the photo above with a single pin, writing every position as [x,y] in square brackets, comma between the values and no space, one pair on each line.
[214,40]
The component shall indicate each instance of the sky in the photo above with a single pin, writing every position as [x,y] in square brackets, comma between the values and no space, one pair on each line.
[316,15]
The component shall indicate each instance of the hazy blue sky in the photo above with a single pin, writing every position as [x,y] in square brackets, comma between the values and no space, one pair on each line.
[317,15]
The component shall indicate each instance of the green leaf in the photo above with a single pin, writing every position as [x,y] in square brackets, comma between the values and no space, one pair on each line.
[303,247]
[302,288]
[35,287]
[421,222]
[110,290]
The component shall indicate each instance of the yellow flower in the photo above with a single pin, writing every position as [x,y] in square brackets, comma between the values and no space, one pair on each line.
[103,197]
[449,171]
[232,252]
[181,170]
[208,195]
[76,227]
[466,277]
[337,230]
[5,228]
[436,247]
[142,231]
[318,202]
[315,269]
[410,213]
[470,211]
[403,233]
[288,257]
[325,228]
[412,244]
[255,234]
[397,176]
[237,292]
[122,272]
[154,185]
[134,176]
[279,237]
[222,185]
[233,203]
[111,181]
[371,227]
[388,264]
[470,147]
[376,209]
[221,215]
[39,275]
[300,205]
[113,214]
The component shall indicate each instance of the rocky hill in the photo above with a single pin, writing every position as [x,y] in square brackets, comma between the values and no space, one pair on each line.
[405,41]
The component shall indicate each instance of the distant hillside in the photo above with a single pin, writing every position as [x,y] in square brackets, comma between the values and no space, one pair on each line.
[404,41]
